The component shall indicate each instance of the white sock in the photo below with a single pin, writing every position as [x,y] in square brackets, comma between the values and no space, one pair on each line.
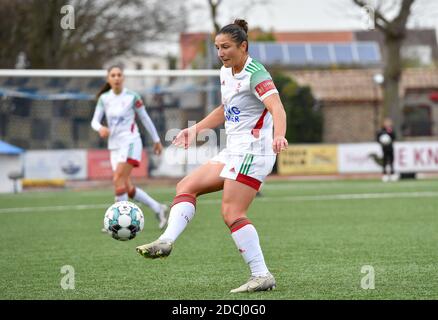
[180,216]
[143,197]
[121,197]
[247,241]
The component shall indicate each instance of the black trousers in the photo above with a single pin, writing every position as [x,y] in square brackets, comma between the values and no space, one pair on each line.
[388,160]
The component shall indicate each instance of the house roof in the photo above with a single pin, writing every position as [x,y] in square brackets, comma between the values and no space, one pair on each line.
[190,44]
[313,36]
[358,85]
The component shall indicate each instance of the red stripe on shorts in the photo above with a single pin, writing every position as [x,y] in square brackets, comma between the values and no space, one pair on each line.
[135,163]
[249,181]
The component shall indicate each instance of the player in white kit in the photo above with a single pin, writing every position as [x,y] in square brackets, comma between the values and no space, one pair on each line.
[121,106]
[255,124]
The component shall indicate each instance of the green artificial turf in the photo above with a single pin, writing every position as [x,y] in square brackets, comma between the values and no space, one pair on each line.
[316,236]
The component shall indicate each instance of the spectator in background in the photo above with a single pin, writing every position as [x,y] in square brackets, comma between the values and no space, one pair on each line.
[386,138]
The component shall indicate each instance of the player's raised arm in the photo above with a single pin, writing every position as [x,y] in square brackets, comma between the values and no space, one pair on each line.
[212,120]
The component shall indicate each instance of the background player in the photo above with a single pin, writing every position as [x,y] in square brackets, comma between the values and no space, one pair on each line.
[120,107]
[250,108]
[386,138]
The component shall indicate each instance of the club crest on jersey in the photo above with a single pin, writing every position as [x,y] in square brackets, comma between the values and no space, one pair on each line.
[238,87]
[264,87]
[232,114]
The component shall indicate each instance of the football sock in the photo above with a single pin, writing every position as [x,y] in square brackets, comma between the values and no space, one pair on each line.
[121,194]
[247,241]
[141,196]
[181,213]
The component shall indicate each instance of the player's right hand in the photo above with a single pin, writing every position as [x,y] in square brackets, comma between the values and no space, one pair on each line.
[185,137]
[104,132]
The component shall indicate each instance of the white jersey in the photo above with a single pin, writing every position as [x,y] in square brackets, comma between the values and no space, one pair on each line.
[120,111]
[248,124]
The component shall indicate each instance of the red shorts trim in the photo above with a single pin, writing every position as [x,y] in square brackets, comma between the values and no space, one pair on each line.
[135,163]
[249,181]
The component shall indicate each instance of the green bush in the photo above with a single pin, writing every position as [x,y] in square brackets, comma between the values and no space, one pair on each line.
[304,117]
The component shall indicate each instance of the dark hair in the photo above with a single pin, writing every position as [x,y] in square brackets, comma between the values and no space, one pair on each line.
[238,30]
[106,87]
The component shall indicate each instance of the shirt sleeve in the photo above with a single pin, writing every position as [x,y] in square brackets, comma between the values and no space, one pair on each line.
[262,85]
[146,121]
[98,115]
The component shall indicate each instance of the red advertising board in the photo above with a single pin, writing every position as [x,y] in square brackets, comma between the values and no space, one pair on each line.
[99,165]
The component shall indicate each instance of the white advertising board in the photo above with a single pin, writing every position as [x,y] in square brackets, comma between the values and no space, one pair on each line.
[408,157]
[56,164]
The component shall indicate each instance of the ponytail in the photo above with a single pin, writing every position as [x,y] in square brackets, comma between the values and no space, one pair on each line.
[106,87]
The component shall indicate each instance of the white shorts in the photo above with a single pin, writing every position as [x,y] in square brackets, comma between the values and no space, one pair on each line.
[130,153]
[247,168]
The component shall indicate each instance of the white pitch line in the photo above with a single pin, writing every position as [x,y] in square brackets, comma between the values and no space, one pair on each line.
[332,185]
[359,196]
[328,197]
[54,208]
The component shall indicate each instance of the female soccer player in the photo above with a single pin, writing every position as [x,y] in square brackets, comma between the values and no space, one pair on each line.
[120,107]
[255,124]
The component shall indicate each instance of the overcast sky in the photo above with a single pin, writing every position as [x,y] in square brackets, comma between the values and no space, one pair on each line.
[290,15]
[300,15]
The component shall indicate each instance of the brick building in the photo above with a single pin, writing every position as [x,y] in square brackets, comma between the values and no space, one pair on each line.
[351,102]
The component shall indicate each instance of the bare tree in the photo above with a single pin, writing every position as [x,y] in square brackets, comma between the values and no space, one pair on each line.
[103,29]
[244,8]
[394,32]
[213,6]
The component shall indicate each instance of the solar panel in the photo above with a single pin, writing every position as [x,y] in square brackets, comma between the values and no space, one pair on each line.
[368,52]
[274,53]
[343,53]
[254,51]
[297,54]
[321,54]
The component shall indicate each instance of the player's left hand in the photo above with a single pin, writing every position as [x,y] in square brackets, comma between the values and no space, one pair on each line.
[279,144]
[158,148]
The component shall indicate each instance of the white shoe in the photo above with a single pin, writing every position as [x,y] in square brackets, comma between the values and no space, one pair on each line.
[393,177]
[262,283]
[157,249]
[385,178]
[162,216]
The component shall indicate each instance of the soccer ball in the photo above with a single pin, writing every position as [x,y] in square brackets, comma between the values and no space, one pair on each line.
[385,139]
[123,220]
